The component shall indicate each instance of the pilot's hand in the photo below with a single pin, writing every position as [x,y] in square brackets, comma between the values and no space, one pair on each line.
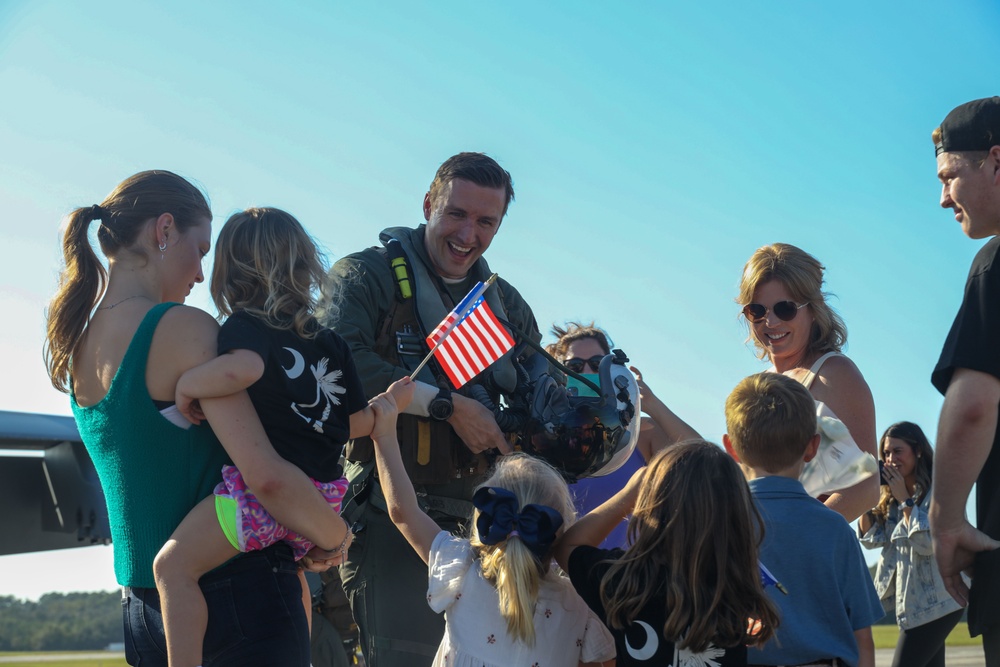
[476,426]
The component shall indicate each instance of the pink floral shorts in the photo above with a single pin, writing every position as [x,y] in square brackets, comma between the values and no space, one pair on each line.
[255,528]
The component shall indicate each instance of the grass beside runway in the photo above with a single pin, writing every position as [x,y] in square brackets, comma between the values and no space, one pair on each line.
[886,635]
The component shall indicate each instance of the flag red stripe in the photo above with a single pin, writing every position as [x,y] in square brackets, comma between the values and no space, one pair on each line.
[475,343]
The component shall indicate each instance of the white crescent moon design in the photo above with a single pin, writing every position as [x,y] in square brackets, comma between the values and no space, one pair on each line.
[297,367]
[648,650]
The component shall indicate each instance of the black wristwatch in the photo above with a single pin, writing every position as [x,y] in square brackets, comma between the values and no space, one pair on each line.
[908,502]
[442,406]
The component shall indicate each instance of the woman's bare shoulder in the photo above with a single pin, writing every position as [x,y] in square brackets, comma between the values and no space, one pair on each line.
[188,335]
[839,370]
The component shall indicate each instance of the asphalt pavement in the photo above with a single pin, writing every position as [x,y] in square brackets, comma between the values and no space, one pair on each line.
[955,656]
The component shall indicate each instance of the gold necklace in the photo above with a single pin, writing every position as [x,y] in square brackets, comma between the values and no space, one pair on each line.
[118,303]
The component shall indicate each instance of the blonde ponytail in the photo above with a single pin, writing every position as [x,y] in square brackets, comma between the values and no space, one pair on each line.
[516,573]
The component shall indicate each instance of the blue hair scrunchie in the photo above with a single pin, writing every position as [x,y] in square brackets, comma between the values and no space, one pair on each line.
[500,518]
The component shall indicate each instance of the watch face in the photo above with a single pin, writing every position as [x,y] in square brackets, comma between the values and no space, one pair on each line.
[440,409]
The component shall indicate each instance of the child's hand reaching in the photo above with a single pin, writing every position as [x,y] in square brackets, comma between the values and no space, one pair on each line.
[402,391]
[385,409]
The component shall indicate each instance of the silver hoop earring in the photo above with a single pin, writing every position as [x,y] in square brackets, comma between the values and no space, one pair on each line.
[163,249]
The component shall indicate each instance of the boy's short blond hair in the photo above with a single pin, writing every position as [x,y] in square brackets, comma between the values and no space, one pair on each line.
[770,419]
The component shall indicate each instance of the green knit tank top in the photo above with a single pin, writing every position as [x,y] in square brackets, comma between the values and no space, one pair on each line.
[152,472]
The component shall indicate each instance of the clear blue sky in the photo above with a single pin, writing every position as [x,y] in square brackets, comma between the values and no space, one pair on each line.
[653,146]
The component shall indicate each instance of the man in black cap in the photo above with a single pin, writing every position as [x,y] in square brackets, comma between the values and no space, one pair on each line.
[967,145]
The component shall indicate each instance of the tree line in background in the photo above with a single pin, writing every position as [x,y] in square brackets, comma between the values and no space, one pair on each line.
[61,622]
[73,622]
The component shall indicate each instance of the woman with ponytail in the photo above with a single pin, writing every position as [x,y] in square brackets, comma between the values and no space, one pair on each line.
[118,339]
[503,601]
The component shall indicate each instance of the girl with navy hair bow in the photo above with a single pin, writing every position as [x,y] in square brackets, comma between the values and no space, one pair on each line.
[503,601]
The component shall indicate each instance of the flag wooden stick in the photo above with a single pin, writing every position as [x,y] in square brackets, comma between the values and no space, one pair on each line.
[475,297]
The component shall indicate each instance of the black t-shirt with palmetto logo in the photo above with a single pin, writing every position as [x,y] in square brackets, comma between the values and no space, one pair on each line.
[306,395]
[641,644]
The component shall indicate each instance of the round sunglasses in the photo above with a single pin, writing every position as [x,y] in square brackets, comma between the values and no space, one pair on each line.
[783,310]
[576,364]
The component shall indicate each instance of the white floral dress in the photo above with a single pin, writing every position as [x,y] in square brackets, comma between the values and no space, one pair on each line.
[566,630]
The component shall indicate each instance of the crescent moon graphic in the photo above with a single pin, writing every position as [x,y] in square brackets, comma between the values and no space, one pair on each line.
[297,367]
[648,650]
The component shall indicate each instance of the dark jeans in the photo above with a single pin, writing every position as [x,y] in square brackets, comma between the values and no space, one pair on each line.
[923,646]
[991,646]
[255,615]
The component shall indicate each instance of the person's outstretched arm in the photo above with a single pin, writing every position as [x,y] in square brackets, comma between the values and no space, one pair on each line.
[418,528]
[666,428]
[600,521]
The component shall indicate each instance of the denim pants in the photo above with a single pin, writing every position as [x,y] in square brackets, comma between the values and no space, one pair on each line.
[255,615]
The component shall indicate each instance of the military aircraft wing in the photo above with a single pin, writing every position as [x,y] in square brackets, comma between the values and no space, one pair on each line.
[49,490]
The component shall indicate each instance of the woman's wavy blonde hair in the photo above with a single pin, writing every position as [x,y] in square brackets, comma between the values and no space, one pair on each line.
[509,565]
[269,266]
[802,276]
[695,534]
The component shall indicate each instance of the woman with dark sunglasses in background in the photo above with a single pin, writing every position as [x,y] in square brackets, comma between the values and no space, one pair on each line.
[580,348]
[794,328]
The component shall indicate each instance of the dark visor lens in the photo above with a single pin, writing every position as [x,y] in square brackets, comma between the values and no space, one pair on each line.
[577,364]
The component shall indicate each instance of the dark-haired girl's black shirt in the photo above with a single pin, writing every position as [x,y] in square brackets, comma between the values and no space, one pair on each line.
[641,644]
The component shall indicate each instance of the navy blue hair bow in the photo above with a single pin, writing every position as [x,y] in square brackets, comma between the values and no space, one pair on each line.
[500,518]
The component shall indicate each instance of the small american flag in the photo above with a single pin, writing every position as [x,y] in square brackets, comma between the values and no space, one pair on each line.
[470,338]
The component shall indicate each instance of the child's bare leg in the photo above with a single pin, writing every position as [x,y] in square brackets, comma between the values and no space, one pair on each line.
[197,546]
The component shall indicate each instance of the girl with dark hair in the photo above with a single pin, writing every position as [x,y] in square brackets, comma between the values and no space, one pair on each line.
[118,340]
[907,576]
[688,589]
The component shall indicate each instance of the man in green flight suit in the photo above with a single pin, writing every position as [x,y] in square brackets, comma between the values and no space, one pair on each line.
[389,298]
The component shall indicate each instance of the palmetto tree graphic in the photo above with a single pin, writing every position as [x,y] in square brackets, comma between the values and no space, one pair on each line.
[326,386]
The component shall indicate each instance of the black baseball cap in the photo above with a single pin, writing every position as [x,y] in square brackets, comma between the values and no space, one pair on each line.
[973,126]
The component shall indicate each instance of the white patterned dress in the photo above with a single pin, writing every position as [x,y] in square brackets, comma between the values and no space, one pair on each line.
[566,630]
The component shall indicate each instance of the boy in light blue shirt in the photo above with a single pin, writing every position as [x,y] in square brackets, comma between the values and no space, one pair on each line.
[831,603]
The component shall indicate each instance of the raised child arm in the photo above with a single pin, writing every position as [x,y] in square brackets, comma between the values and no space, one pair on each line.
[600,521]
[363,421]
[418,528]
[224,375]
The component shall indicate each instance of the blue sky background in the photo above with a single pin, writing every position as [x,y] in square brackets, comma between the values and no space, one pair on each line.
[654,147]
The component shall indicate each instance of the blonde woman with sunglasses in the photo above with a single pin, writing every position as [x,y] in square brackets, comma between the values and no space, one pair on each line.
[792,326]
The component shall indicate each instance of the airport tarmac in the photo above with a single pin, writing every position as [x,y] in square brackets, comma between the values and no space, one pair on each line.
[955,656]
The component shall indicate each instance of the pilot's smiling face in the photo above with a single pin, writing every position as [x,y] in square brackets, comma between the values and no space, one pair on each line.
[461,223]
